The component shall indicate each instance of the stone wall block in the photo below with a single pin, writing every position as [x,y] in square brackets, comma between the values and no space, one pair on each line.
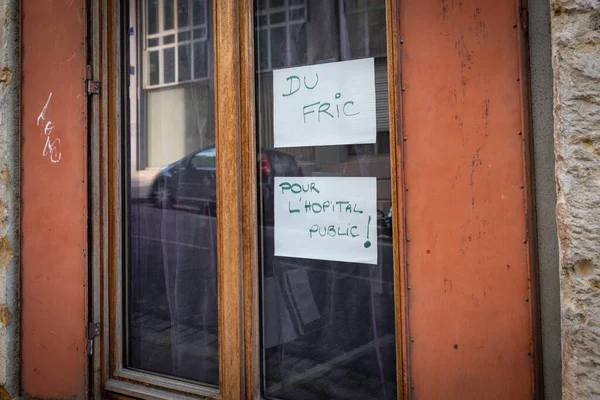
[576,63]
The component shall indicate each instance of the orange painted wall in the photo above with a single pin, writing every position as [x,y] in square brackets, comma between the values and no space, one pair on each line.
[469,315]
[53,225]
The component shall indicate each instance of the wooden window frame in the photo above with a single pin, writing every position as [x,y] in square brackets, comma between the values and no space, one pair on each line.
[239,350]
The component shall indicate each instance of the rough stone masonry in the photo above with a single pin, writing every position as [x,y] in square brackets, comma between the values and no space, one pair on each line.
[576,63]
[9,200]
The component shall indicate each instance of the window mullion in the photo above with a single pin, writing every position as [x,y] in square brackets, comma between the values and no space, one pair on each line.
[229,197]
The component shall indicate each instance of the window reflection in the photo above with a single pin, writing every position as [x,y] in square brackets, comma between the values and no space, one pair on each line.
[171,286]
[327,327]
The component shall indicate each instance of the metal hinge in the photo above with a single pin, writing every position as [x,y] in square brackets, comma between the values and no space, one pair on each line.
[91,86]
[93,330]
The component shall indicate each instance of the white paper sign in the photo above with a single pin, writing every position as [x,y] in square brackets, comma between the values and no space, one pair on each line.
[325,104]
[326,218]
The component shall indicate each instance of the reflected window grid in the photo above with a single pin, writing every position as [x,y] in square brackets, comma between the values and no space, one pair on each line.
[366,19]
[176,39]
[280,27]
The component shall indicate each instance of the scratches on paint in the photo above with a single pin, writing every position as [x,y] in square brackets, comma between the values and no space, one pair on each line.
[466,60]
[73,55]
[445,6]
[485,112]
[448,286]
[479,29]
[449,6]
[475,163]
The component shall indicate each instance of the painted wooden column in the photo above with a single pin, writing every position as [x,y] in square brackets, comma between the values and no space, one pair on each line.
[468,244]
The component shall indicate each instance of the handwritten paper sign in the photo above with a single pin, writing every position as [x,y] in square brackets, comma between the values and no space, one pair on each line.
[326,218]
[325,104]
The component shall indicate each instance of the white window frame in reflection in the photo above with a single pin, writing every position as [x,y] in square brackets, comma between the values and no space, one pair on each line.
[176,31]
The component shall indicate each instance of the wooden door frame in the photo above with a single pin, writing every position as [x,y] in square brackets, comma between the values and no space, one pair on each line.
[238,270]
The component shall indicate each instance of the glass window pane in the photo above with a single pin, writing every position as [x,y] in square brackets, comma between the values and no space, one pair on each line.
[327,308]
[183,36]
[153,42]
[184,62]
[298,47]
[277,18]
[356,29]
[297,14]
[170,326]
[355,5]
[169,65]
[373,4]
[200,33]
[168,11]
[377,33]
[200,60]
[152,15]
[278,47]
[153,67]
[199,12]
[183,14]
[262,20]
[263,49]
[168,39]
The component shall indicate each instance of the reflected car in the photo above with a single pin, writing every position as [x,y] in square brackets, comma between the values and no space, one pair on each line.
[191,181]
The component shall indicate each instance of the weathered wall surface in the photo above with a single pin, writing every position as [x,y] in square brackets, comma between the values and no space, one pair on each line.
[9,200]
[576,62]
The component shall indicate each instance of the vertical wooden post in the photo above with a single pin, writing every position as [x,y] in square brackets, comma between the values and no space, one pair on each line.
[54,198]
[229,198]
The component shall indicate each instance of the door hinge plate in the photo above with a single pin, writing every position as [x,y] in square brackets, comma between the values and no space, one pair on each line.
[91,86]
[93,330]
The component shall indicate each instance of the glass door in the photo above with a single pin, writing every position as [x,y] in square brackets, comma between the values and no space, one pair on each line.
[324,187]
[171,327]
